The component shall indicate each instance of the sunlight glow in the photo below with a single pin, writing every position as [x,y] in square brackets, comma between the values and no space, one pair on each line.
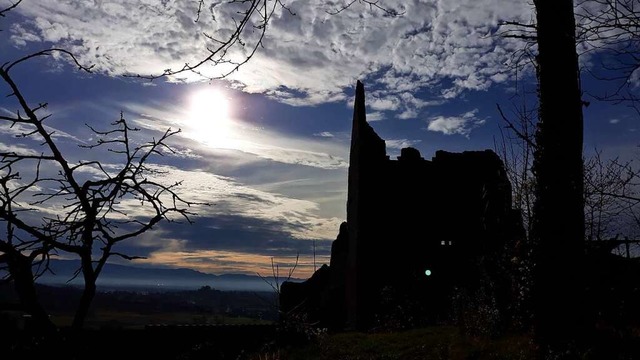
[209,119]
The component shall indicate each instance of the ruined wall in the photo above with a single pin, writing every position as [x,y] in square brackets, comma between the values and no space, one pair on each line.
[406,216]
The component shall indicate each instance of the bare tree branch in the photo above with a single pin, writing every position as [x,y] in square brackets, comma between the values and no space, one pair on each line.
[89,219]
[3,12]
[253,15]
[372,4]
[611,29]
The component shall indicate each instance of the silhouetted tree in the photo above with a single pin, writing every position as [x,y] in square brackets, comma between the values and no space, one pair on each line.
[558,224]
[611,185]
[612,202]
[611,195]
[50,205]
[611,30]
[516,147]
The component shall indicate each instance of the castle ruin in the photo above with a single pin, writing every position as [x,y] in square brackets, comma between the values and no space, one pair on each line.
[416,230]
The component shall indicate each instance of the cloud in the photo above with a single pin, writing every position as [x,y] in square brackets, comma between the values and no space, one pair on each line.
[614,121]
[328,153]
[184,152]
[375,116]
[440,46]
[462,124]
[17,149]
[408,114]
[389,103]
[239,219]
[296,217]
[401,143]
[21,129]
[229,243]
[22,36]
[295,156]
[324,134]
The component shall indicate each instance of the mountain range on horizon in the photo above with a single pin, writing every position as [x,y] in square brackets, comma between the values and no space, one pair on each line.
[126,277]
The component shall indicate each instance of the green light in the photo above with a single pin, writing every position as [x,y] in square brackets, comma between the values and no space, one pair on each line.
[427,272]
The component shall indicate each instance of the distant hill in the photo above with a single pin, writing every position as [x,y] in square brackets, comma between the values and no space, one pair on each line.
[127,277]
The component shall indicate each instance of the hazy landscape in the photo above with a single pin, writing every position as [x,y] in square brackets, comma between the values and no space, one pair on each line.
[122,277]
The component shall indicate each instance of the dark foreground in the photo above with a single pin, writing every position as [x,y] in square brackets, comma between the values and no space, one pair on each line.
[152,342]
[253,342]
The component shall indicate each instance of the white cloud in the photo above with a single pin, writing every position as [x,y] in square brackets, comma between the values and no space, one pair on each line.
[408,114]
[185,153]
[324,134]
[22,36]
[375,116]
[401,143]
[17,149]
[307,58]
[387,103]
[614,121]
[291,153]
[462,124]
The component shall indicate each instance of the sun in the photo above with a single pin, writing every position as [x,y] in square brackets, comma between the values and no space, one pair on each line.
[208,118]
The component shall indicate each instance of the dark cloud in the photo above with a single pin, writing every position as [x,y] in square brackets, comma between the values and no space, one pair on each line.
[232,234]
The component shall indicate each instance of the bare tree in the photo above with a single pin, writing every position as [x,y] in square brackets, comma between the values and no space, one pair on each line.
[611,198]
[275,280]
[50,205]
[557,228]
[611,185]
[610,29]
[516,147]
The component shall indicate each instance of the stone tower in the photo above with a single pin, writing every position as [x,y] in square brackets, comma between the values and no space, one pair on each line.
[367,154]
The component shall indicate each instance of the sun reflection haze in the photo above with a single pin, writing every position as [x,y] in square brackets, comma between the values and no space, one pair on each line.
[209,118]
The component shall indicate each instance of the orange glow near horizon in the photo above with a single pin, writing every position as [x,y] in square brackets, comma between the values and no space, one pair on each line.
[220,262]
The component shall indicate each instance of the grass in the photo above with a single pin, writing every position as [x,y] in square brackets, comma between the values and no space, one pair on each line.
[440,342]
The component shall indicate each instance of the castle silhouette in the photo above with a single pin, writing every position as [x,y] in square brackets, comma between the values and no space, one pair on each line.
[417,231]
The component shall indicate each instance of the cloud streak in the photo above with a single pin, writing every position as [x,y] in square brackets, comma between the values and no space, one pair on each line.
[296,217]
[324,153]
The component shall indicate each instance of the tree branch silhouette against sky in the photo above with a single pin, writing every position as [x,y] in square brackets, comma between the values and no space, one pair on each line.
[268,145]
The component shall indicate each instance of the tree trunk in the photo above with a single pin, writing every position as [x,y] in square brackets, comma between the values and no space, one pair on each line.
[88,293]
[20,269]
[558,228]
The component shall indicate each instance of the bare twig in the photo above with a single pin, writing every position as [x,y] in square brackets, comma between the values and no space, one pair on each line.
[372,4]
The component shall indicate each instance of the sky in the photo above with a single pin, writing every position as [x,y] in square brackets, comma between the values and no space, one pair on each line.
[268,146]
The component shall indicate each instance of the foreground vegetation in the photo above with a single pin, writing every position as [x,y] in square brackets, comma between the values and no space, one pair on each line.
[438,342]
[442,342]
